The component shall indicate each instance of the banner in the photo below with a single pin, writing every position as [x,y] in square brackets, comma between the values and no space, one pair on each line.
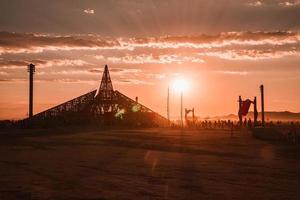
[245,107]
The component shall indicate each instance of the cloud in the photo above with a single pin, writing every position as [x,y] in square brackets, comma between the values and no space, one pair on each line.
[99,57]
[216,41]
[133,82]
[38,80]
[89,11]
[36,43]
[121,76]
[22,64]
[119,81]
[3,73]
[116,70]
[11,43]
[131,75]
[239,73]
[255,3]
[66,72]
[250,54]
[13,80]
[150,59]
[289,3]
[273,3]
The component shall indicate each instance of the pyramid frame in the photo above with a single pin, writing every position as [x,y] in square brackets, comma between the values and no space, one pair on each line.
[105,106]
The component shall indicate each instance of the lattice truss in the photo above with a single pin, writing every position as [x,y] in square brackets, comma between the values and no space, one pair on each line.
[104,103]
[76,105]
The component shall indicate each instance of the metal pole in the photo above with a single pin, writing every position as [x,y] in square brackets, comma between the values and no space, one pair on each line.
[255,113]
[181,108]
[262,105]
[31,70]
[168,106]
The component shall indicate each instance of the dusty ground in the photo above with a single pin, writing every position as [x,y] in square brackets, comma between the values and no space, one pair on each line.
[146,164]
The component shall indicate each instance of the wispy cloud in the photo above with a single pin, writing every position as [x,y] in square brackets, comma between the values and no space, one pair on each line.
[290,3]
[121,76]
[214,41]
[151,59]
[22,64]
[89,11]
[3,73]
[60,80]
[119,81]
[133,82]
[35,43]
[250,54]
[255,3]
[280,3]
[239,73]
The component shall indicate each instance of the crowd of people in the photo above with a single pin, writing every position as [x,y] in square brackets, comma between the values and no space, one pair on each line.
[220,124]
[289,130]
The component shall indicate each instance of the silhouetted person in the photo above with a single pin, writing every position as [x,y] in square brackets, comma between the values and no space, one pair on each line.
[249,123]
[231,126]
[292,133]
[228,124]
[210,124]
[245,122]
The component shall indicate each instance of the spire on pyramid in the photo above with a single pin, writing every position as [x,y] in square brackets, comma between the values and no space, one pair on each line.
[106,90]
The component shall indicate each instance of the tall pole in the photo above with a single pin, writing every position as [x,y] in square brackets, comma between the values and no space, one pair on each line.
[255,113]
[31,70]
[181,108]
[240,112]
[262,105]
[168,106]
[193,116]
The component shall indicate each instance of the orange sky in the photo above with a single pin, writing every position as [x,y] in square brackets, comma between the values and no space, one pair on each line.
[222,53]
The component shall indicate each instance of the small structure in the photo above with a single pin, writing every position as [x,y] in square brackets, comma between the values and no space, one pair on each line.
[245,105]
[244,109]
[190,122]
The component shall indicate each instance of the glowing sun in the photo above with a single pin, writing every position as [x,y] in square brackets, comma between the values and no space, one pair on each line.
[180,85]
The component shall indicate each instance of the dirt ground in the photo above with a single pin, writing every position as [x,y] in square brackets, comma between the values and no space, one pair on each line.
[146,164]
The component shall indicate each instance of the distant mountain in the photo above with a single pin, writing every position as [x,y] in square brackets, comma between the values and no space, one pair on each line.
[269,116]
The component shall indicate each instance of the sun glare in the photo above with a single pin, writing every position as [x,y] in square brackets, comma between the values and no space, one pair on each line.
[180,85]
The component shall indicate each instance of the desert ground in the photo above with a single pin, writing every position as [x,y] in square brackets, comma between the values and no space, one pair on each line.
[146,164]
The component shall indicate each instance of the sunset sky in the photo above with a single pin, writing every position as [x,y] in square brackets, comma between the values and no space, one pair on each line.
[223,48]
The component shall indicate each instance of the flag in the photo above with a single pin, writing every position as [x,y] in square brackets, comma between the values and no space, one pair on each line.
[245,107]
